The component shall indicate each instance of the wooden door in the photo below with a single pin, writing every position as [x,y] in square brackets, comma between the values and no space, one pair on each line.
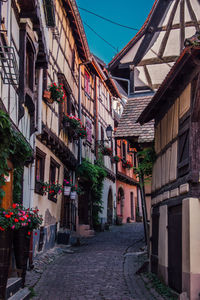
[154,240]
[175,247]
[8,188]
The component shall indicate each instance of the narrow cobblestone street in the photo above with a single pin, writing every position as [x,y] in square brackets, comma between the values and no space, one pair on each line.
[95,270]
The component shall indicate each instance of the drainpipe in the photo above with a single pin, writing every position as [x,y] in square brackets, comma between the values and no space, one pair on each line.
[39,131]
[123,79]
[40,90]
[96,120]
[80,108]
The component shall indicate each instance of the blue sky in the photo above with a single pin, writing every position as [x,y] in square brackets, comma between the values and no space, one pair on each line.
[131,13]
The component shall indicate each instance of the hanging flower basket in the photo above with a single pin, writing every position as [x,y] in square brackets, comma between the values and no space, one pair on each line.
[67,190]
[106,151]
[5,252]
[72,120]
[73,195]
[57,92]
[117,158]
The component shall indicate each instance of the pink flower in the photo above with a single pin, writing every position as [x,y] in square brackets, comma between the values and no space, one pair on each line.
[13,227]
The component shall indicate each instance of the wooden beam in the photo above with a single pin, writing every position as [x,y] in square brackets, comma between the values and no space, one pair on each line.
[192,15]
[169,25]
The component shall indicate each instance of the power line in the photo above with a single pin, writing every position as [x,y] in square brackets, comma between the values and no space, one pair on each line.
[108,20]
[100,36]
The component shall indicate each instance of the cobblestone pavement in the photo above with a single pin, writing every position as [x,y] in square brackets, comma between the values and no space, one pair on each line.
[97,270]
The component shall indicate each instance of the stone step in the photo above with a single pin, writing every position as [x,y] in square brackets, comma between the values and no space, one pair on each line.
[84,227]
[23,294]
[13,285]
[87,233]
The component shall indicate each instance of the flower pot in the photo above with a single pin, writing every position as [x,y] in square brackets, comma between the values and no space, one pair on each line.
[73,195]
[47,96]
[21,245]
[67,190]
[5,251]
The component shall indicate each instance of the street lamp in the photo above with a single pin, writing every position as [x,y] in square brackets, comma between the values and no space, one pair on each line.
[109,131]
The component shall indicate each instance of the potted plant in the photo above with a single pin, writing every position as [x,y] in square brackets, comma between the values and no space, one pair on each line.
[52,189]
[71,121]
[67,187]
[6,221]
[117,158]
[47,96]
[74,191]
[26,220]
[57,92]
[127,164]
[107,151]
[81,132]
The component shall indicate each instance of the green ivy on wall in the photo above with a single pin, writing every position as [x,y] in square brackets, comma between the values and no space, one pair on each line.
[14,147]
[93,175]
[146,159]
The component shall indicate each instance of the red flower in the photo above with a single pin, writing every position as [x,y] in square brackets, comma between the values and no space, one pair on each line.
[1,228]
[16,220]
[29,233]
[7,216]
[14,205]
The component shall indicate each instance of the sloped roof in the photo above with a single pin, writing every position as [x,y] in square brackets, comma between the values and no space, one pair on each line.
[77,28]
[128,126]
[157,46]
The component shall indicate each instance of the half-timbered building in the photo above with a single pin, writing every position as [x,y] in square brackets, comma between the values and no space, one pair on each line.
[141,66]
[175,183]
[58,149]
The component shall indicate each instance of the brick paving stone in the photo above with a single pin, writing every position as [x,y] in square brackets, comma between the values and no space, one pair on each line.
[102,269]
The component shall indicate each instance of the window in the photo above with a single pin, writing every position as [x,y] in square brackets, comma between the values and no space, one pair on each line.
[87,83]
[29,67]
[53,176]
[39,170]
[123,150]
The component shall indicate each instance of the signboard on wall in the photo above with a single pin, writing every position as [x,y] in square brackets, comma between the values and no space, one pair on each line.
[89,130]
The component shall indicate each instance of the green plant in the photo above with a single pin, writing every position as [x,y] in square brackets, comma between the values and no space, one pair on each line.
[13,146]
[117,158]
[93,176]
[127,164]
[146,159]
[17,184]
[107,151]
[76,188]
[53,188]
[57,92]
[160,287]
[81,132]
[73,121]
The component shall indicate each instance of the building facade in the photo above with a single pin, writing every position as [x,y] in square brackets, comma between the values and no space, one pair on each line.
[175,181]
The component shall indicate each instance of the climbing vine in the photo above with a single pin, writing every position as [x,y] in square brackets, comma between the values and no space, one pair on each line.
[93,176]
[146,159]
